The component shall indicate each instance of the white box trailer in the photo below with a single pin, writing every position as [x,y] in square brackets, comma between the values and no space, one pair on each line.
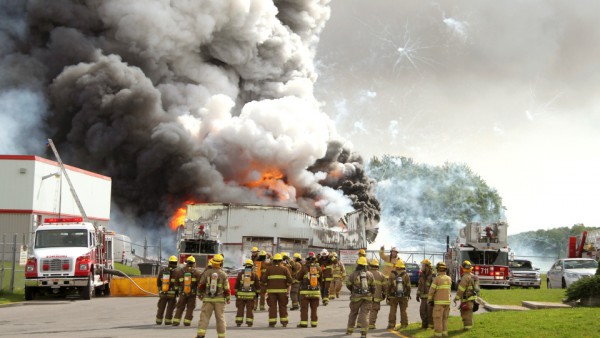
[33,189]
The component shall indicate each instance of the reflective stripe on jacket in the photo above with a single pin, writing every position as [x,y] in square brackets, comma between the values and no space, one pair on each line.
[439,291]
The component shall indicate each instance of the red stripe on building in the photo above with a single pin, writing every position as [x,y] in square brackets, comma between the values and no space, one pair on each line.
[49,213]
[45,160]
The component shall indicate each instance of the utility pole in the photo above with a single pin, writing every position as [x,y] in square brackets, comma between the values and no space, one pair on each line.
[145,248]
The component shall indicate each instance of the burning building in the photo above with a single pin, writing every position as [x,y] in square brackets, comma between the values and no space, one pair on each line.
[184,101]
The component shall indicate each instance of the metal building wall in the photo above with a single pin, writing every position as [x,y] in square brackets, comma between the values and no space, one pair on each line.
[32,184]
[11,224]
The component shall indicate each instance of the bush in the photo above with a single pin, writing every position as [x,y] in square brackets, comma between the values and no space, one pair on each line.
[583,288]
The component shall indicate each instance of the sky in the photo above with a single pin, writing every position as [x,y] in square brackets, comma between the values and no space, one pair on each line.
[510,88]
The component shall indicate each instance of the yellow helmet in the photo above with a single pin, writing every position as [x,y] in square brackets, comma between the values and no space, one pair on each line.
[277,257]
[426,262]
[249,262]
[400,264]
[466,265]
[362,261]
[362,252]
[374,262]
[441,266]
[297,255]
[191,259]
[254,249]
[218,258]
[262,253]
[173,259]
[285,254]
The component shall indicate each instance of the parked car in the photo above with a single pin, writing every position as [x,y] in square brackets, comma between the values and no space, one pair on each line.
[566,271]
[522,273]
[413,271]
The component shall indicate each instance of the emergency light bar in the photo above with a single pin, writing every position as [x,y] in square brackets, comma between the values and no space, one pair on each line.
[64,220]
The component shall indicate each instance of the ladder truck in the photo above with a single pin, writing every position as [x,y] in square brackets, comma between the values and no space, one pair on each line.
[69,254]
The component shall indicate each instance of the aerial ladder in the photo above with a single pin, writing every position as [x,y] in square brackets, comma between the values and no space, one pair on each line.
[64,171]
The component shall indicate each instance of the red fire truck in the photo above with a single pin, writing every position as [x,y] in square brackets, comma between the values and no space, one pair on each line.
[68,254]
[486,247]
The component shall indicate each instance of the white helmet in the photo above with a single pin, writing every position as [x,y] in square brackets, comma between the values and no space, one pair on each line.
[394,249]
[324,252]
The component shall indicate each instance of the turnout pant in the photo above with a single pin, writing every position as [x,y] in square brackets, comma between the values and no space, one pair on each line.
[335,288]
[375,307]
[277,301]
[187,303]
[206,312]
[440,320]
[261,300]
[466,312]
[359,309]
[426,312]
[325,291]
[395,303]
[168,302]
[241,305]
[294,293]
[305,303]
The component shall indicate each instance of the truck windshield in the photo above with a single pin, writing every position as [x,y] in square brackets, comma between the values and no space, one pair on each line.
[61,238]
[486,257]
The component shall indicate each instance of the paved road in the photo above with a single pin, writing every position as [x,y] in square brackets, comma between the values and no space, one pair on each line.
[131,317]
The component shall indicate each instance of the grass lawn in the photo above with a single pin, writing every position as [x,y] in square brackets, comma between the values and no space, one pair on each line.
[130,271]
[19,277]
[575,322]
[515,295]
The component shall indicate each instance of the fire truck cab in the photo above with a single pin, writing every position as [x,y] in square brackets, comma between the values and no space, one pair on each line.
[486,247]
[67,255]
[196,239]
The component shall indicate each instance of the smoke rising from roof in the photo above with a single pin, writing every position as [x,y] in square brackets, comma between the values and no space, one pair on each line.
[203,100]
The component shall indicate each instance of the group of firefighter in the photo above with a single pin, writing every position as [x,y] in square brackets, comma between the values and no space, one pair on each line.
[308,282]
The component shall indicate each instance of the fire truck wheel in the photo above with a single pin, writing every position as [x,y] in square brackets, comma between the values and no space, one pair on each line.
[86,291]
[29,293]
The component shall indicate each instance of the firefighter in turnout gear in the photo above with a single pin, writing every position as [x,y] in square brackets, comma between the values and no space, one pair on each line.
[254,254]
[295,290]
[339,274]
[439,297]
[247,288]
[361,284]
[425,279]
[467,292]
[310,278]
[398,294]
[327,270]
[390,261]
[167,286]
[277,280]
[260,266]
[380,292]
[188,279]
[213,290]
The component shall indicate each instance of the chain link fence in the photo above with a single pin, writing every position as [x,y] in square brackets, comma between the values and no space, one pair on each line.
[13,256]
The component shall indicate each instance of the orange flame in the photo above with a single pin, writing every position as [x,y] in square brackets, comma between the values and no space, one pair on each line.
[271,184]
[178,219]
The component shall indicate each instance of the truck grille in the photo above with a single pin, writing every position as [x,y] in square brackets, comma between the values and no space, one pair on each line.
[55,264]
[525,275]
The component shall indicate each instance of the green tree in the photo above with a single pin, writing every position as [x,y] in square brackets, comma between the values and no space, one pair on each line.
[423,201]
